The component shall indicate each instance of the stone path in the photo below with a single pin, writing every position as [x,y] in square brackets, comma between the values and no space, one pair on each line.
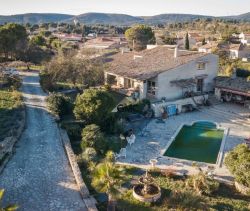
[38,177]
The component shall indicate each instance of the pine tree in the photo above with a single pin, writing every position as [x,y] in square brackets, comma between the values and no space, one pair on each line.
[187,42]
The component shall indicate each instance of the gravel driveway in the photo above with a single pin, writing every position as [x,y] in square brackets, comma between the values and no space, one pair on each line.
[38,177]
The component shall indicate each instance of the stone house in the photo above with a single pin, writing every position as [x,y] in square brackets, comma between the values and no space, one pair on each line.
[162,73]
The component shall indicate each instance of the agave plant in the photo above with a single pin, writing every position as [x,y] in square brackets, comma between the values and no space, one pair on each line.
[107,178]
[10,207]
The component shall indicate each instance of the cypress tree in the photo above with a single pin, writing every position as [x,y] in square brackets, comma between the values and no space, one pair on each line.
[187,42]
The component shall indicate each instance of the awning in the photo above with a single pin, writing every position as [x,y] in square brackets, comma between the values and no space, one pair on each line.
[234,91]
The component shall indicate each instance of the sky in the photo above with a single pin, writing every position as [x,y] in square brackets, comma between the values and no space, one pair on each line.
[131,7]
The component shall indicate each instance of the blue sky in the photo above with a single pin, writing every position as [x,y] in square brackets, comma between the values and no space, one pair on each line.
[131,7]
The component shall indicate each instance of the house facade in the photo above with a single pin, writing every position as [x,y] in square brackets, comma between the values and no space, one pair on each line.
[245,38]
[239,51]
[208,48]
[162,73]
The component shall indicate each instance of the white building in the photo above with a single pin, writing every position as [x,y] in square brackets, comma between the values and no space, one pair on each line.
[245,38]
[239,51]
[208,48]
[162,73]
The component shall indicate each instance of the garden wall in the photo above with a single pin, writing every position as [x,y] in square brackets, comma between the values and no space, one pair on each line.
[88,200]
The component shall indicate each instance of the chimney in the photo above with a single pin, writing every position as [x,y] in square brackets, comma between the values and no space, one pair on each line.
[176,52]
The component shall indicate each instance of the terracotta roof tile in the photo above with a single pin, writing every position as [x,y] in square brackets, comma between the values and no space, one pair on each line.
[149,63]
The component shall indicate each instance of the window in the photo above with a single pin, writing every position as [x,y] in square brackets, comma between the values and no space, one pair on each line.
[201,66]
[151,87]
[111,79]
[128,83]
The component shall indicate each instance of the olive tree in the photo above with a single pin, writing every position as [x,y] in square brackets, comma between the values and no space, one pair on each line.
[72,69]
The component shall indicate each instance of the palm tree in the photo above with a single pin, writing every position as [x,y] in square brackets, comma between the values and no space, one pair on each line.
[107,178]
[11,207]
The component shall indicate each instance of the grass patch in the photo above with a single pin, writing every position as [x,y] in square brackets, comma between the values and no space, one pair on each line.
[226,198]
[10,106]
[32,67]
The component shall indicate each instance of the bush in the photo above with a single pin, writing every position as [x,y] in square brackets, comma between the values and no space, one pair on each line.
[93,137]
[112,125]
[242,73]
[187,200]
[138,107]
[202,184]
[94,106]
[73,129]
[89,155]
[46,82]
[238,163]
[59,104]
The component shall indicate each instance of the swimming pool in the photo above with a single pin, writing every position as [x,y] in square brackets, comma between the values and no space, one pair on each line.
[200,142]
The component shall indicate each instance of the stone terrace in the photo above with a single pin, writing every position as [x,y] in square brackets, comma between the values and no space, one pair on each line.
[154,137]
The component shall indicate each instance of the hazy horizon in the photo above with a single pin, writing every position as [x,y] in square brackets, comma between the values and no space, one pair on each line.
[130,7]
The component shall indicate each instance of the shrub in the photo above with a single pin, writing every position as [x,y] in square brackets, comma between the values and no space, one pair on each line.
[137,107]
[94,106]
[59,104]
[73,129]
[46,82]
[238,163]
[93,137]
[187,200]
[112,125]
[242,73]
[202,184]
[89,155]
[170,172]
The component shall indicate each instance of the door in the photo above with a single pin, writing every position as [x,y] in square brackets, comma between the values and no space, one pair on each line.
[200,83]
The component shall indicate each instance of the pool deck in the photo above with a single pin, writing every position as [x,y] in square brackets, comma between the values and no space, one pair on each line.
[152,141]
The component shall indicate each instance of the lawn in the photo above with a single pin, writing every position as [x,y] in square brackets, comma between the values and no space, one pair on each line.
[226,198]
[10,105]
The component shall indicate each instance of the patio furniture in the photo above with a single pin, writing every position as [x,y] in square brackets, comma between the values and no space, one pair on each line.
[122,153]
[131,139]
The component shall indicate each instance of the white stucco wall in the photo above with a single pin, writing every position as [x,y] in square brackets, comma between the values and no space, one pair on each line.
[186,71]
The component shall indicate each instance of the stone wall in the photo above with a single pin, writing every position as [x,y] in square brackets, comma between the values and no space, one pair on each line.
[157,107]
[89,201]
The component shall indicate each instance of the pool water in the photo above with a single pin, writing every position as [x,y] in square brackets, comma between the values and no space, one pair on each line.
[200,142]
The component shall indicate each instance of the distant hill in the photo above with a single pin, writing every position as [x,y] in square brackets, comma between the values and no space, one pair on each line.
[34,18]
[242,17]
[108,18]
[172,18]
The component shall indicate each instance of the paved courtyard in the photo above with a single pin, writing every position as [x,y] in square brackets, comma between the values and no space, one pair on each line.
[151,142]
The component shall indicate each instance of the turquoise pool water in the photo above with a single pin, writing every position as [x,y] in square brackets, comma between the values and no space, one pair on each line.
[200,142]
